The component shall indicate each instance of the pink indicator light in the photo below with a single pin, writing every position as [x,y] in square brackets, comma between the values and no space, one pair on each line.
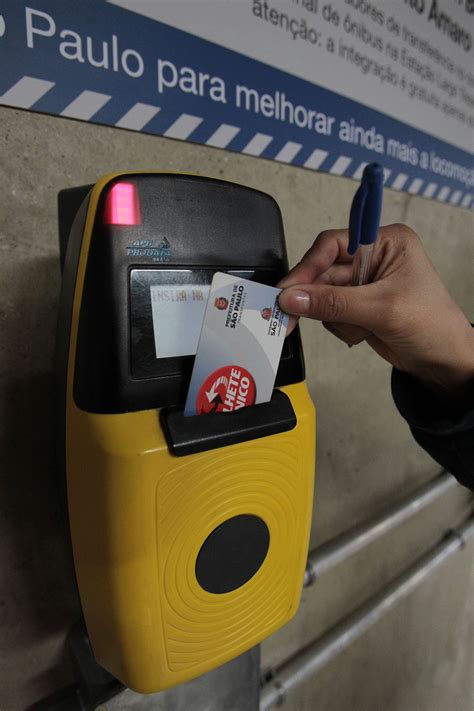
[122,206]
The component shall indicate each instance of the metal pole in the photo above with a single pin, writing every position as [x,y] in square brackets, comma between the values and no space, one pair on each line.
[310,660]
[335,551]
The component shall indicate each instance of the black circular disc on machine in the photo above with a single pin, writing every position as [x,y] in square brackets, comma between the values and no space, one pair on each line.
[232,553]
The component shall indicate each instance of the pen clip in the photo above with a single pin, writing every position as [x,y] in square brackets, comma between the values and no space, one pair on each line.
[364,217]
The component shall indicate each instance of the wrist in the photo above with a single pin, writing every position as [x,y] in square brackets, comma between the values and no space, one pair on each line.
[454,375]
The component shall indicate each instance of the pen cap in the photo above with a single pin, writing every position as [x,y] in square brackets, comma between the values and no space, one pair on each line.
[366,208]
[373,176]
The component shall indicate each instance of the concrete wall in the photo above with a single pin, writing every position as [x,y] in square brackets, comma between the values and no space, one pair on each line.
[420,657]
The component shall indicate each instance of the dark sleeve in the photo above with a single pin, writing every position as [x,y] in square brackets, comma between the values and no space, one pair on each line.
[444,428]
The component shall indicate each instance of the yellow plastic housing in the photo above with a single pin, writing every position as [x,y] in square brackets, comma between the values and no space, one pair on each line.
[139,516]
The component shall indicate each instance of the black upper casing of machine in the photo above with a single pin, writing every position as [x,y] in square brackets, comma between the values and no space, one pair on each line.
[186,222]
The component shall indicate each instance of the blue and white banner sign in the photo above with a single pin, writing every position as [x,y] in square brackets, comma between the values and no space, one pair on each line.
[328,85]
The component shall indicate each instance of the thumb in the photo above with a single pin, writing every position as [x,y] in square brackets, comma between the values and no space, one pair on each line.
[356,305]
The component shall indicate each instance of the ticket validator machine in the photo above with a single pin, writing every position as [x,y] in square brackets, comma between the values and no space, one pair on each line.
[189,534]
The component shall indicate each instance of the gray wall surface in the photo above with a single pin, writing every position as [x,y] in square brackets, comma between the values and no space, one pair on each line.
[420,656]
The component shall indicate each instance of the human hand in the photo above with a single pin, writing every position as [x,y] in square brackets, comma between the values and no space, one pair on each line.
[405,314]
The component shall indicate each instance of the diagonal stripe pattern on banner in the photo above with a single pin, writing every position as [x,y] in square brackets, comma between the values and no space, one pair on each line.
[443,194]
[415,186]
[138,116]
[86,105]
[430,190]
[289,151]
[340,166]
[222,136]
[257,144]
[358,174]
[455,197]
[316,159]
[399,181]
[26,92]
[183,127]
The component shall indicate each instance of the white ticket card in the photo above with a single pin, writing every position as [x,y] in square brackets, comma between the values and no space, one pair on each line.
[178,311]
[239,347]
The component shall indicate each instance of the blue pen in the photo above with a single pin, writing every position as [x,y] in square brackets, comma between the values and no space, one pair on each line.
[364,222]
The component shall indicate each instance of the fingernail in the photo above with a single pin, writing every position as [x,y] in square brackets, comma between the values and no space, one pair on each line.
[296,301]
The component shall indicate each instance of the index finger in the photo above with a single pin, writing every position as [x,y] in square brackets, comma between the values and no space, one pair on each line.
[329,247]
